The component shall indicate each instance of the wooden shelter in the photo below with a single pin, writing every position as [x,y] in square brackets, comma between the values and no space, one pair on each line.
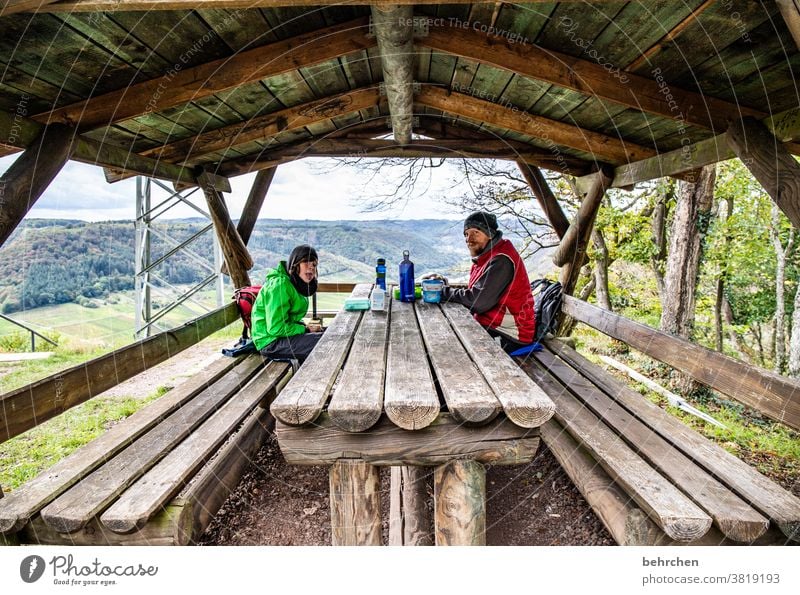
[614,93]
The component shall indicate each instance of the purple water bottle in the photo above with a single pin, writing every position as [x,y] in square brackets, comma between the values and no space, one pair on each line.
[406,279]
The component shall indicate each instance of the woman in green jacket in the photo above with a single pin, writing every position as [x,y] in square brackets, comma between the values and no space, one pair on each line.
[278,329]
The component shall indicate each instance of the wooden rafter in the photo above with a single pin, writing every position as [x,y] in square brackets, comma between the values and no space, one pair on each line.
[457,148]
[182,86]
[784,126]
[266,126]
[547,200]
[112,5]
[14,6]
[790,11]
[586,77]
[605,148]
[93,152]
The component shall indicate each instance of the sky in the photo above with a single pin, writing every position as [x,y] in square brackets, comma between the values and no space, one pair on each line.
[311,188]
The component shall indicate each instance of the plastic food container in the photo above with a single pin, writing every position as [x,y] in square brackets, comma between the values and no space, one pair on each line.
[432,291]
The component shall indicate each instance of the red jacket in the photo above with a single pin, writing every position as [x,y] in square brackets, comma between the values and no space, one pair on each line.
[514,313]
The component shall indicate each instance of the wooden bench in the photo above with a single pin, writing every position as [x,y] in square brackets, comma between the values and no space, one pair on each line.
[158,477]
[650,478]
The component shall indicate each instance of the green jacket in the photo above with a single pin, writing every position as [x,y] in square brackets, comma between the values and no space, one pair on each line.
[278,309]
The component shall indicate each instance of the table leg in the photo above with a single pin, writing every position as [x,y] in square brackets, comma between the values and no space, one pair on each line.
[355,503]
[460,503]
[409,519]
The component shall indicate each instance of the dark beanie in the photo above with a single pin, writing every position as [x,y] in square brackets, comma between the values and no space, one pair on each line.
[486,222]
[302,253]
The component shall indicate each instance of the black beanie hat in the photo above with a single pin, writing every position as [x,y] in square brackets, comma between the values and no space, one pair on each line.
[485,222]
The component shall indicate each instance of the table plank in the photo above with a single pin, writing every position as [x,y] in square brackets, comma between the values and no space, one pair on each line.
[73,509]
[523,401]
[469,398]
[303,399]
[410,399]
[357,402]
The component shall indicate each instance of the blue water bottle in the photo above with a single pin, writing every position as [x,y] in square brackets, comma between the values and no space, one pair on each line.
[380,274]
[406,279]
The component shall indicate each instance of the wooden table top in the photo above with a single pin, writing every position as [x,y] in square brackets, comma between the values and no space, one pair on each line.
[399,362]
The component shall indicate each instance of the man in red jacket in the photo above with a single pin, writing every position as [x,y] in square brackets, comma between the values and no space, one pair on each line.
[499,291]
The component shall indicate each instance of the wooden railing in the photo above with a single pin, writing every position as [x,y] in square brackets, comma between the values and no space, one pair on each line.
[776,396]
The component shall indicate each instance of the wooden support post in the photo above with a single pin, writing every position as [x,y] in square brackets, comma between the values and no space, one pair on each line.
[355,503]
[255,201]
[409,521]
[460,503]
[237,257]
[31,174]
[790,11]
[581,228]
[394,32]
[545,196]
[769,162]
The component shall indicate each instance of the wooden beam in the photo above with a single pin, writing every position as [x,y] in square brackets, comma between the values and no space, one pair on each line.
[266,126]
[252,207]
[500,442]
[26,407]
[785,126]
[605,148]
[455,149]
[587,77]
[10,7]
[147,5]
[770,163]
[547,200]
[459,489]
[581,227]
[31,173]
[790,11]
[355,492]
[181,86]
[21,132]
[777,397]
[237,257]
[394,30]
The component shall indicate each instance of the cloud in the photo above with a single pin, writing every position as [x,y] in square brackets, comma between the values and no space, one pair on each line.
[307,189]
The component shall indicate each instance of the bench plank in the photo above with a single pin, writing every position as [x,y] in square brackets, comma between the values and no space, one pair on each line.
[500,442]
[357,401]
[161,483]
[73,509]
[469,398]
[677,515]
[304,397]
[523,401]
[410,401]
[20,505]
[777,504]
[734,517]
[776,396]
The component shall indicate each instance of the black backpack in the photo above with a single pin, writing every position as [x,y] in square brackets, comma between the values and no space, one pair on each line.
[547,305]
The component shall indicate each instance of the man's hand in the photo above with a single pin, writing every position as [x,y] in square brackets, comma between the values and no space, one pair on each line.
[436,276]
[314,327]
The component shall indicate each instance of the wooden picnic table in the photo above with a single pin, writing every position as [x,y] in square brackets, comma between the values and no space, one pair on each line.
[415,386]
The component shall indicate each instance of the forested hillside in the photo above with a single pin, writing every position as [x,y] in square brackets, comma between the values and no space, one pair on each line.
[58,261]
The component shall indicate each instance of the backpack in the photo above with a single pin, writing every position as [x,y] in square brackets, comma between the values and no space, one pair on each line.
[547,306]
[245,297]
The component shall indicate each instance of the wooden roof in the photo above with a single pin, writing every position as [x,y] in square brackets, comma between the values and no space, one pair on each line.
[240,85]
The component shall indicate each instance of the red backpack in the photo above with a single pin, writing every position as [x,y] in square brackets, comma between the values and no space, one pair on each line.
[245,297]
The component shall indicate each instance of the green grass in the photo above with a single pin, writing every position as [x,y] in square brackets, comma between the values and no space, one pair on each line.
[28,454]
